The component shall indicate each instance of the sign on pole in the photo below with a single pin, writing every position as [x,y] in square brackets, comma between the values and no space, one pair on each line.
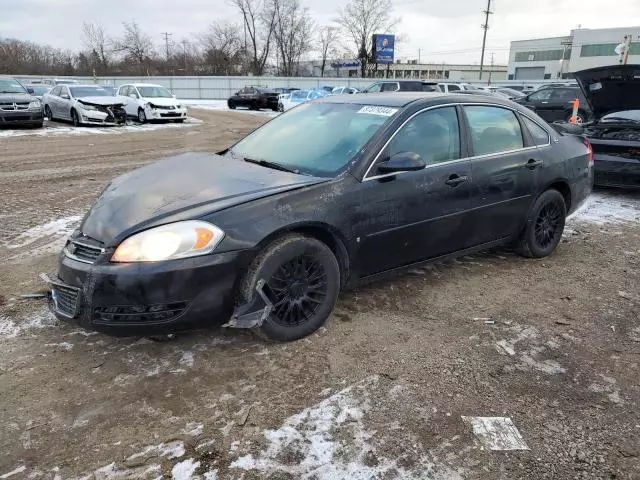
[383,48]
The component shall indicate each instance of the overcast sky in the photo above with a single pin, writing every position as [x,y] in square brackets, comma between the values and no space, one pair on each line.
[443,30]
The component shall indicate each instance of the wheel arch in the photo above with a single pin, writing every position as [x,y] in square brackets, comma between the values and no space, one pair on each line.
[322,232]
[562,186]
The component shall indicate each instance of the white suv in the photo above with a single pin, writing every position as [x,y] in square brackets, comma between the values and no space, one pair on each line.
[146,101]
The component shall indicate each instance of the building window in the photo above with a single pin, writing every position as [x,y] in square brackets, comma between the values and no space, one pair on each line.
[547,76]
[539,56]
[511,76]
[606,50]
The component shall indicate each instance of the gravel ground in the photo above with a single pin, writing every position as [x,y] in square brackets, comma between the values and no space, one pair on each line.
[390,388]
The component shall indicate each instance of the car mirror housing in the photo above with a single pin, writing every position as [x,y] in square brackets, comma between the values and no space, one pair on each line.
[30,90]
[402,162]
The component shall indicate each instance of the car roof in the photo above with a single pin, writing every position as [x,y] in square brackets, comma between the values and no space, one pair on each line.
[402,99]
[141,85]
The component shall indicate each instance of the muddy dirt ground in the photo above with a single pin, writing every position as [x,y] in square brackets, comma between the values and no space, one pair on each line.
[388,389]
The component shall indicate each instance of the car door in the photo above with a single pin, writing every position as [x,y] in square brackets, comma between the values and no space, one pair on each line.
[505,167]
[390,87]
[51,99]
[64,103]
[411,216]
[562,103]
[131,107]
[375,88]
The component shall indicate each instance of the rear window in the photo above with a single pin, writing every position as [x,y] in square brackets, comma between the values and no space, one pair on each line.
[539,134]
[493,129]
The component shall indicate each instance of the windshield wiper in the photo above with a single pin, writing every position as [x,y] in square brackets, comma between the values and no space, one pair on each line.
[274,165]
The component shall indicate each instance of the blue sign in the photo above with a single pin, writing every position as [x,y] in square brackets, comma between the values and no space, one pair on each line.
[383,46]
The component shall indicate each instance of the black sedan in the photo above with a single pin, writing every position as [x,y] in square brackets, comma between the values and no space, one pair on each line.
[254,98]
[334,192]
[613,93]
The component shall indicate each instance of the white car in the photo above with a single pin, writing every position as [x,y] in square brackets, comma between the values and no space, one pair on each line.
[344,90]
[84,104]
[146,101]
[455,87]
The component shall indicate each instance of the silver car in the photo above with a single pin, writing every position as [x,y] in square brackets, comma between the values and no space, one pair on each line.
[84,104]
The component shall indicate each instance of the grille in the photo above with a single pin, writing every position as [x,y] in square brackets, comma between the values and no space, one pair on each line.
[163,107]
[84,250]
[65,300]
[139,313]
[12,107]
[15,118]
[170,114]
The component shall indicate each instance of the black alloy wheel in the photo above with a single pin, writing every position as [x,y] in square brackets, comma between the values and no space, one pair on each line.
[545,223]
[301,278]
[297,289]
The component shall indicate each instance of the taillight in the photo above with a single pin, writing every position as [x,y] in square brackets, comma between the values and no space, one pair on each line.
[587,144]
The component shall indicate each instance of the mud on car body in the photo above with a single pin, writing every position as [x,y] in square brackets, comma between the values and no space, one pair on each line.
[333,193]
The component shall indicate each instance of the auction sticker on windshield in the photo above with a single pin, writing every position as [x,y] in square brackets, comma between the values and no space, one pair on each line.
[374,110]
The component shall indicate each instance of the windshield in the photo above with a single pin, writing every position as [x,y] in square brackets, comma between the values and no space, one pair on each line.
[11,86]
[66,82]
[154,92]
[79,92]
[315,138]
[623,116]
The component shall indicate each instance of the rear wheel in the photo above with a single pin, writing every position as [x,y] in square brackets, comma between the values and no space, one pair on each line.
[280,107]
[544,227]
[231,104]
[302,281]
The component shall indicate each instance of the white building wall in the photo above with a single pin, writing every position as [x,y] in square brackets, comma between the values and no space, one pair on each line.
[583,43]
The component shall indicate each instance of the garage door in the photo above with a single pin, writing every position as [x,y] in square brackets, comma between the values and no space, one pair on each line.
[529,73]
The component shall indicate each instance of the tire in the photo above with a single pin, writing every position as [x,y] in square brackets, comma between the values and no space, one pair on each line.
[75,118]
[300,306]
[142,117]
[544,227]
[48,113]
[231,105]
[253,106]
[280,108]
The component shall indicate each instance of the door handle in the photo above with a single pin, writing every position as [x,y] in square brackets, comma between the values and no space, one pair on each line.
[532,164]
[455,180]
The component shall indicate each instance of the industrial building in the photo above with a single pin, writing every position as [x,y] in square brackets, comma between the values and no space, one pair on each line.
[558,57]
[413,69]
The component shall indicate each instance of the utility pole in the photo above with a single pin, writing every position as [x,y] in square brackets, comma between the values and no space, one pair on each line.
[624,55]
[184,51]
[485,27]
[491,71]
[419,57]
[166,36]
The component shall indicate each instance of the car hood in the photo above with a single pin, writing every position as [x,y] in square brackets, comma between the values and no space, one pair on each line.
[178,188]
[103,101]
[16,97]
[163,102]
[610,89]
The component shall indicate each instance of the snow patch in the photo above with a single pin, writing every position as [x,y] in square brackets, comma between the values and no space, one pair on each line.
[529,356]
[184,470]
[187,359]
[328,441]
[64,345]
[38,320]
[603,208]
[111,472]
[59,227]
[221,105]
[194,429]
[497,433]
[174,449]
[13,472]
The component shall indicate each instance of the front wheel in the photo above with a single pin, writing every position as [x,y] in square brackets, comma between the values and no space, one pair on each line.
[544,226]
[142,117]
[75,118]
[47,112]
[280,107]
[302,281]
[231,104]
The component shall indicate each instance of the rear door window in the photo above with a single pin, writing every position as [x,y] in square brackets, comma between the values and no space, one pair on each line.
[453,88]
[539,134]
[434,135]
[564,94]
[390,87]
[493,129]
[541,95]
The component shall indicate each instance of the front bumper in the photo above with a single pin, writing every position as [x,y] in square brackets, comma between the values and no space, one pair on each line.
[110,116]
[617,171]
[22,117]
[146,298]
[165,113]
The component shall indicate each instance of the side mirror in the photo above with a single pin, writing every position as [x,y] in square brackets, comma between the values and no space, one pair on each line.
[402,162]
[65,96]
[30,90]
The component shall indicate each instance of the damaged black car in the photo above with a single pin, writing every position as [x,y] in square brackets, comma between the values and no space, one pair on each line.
[614,95]
[333,193]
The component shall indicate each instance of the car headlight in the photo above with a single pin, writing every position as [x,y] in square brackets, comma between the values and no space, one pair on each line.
[87,107]
[35,105]
[168,242]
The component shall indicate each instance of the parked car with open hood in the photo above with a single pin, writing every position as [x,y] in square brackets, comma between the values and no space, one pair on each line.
[254,98]
[287,102]
[17,105]
[332,193]
[147,102]
[84,105]
[614,96]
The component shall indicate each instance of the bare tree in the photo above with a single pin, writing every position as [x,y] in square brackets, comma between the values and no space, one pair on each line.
[293,33]
[360,19]
[259,24]
[328,39]
[136,46]
[97,43]
[222,49]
